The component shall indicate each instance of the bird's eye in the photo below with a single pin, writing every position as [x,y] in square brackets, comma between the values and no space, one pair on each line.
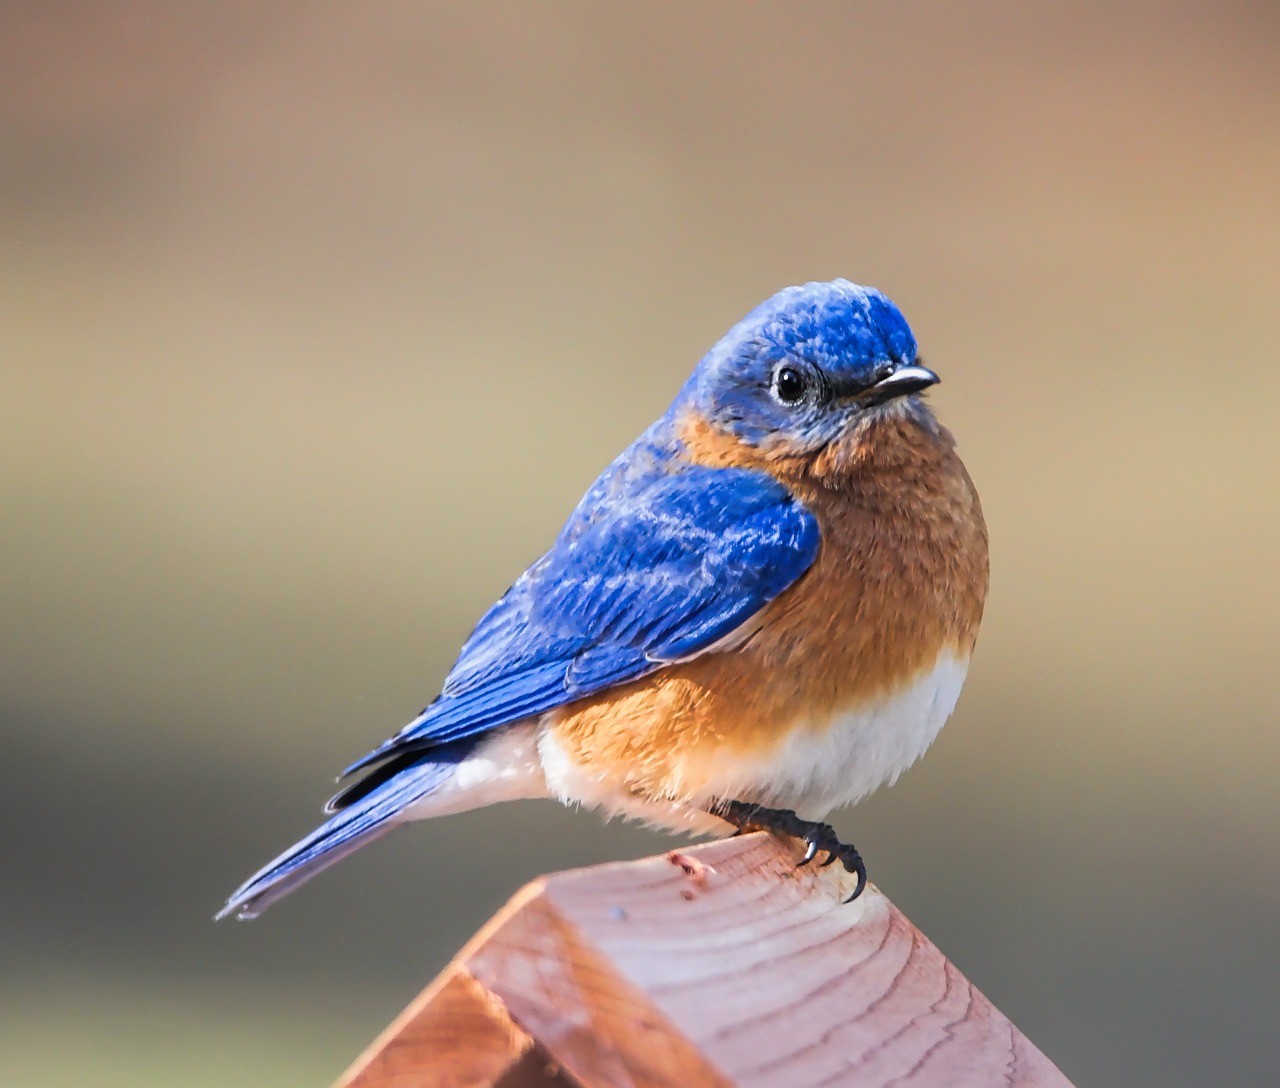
[789,385]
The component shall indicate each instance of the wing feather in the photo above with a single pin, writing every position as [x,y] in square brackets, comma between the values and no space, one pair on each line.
[655,570]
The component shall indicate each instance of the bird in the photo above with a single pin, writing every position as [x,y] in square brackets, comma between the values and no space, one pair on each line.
[763,610]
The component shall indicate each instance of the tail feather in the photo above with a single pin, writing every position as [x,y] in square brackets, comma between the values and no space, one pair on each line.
[365,819]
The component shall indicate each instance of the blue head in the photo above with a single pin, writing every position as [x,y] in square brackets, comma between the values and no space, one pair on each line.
[798,369]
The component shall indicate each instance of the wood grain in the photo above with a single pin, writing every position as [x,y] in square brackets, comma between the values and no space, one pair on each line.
[456,1029]
[718,965]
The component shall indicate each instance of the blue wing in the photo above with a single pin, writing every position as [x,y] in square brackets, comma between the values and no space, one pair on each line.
[659,562]
[653,567]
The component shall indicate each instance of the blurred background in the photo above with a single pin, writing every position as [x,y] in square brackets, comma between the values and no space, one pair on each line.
[315,321]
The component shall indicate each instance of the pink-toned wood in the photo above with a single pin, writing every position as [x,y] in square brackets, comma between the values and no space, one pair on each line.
[455,1028]
[560,986]
[718,965]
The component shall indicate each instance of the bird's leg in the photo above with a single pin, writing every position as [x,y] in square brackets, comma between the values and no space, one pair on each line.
[817,836]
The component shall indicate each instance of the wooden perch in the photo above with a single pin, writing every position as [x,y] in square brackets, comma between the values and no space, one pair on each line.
[718,965]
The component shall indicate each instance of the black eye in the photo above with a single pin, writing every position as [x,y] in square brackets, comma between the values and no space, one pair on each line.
[789,385]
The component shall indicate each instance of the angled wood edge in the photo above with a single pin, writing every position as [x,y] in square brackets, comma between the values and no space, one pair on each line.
[453,1019]
[565,992]
[461,1030]
[718,965]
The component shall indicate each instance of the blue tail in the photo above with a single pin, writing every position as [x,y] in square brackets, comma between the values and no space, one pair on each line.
[368,815]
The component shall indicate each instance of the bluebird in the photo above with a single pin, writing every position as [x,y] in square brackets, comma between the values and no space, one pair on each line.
[764,609]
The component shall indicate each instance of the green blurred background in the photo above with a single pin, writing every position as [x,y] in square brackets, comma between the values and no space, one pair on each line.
[315,320]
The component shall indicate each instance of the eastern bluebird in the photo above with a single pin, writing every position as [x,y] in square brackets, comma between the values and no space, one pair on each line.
[762,610]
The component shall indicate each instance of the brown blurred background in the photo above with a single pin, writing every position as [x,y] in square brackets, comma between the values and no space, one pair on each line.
[315,320]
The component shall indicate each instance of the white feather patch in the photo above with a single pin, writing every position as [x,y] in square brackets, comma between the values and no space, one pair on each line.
[504,768]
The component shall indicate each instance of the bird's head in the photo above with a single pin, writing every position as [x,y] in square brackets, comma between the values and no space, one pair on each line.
[800,370]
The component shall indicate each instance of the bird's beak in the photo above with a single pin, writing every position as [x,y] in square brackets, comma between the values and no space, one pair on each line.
[903,381]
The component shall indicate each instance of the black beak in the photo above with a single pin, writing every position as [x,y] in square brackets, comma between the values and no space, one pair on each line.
[902,382]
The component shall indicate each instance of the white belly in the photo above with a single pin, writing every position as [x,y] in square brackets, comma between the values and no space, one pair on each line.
[821,766]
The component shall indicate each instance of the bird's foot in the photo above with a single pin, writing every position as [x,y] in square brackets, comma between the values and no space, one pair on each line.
[818,837]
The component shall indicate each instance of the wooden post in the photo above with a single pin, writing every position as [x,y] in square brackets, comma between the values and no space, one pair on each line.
[718,965]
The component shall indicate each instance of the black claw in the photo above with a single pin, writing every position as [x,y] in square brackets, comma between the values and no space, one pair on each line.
[817,836]
[861,870]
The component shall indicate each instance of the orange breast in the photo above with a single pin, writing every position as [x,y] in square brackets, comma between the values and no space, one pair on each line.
[900,578]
